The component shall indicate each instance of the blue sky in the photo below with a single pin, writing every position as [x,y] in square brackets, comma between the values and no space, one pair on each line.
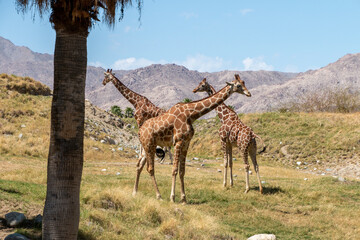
[210,35]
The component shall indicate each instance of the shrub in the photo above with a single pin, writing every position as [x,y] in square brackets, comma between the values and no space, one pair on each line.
[343,100]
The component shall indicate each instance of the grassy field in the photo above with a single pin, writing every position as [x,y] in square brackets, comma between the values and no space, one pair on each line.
[296,204]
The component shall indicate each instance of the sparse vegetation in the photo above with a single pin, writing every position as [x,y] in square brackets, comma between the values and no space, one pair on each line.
[25,85]
[345,100]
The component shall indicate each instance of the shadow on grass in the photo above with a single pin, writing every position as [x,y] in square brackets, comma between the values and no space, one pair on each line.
[270,190]
[11,191]
[85,236]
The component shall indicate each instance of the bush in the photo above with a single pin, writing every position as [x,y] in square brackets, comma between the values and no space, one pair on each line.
[343,100]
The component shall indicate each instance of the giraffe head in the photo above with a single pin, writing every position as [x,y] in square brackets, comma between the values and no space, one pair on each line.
[238,86]
[108,76]
[203,87]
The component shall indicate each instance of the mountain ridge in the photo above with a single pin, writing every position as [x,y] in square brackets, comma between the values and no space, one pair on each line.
[167,84]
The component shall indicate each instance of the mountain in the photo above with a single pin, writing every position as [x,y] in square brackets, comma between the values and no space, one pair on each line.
[168,84]
[344,73]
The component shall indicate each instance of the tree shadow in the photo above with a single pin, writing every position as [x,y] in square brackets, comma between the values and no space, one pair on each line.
[269,190]
[11,191]
[85,236]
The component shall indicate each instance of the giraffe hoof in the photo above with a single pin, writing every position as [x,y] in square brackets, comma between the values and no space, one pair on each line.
[158,197]
[172,199]
[246,191]
[134,193]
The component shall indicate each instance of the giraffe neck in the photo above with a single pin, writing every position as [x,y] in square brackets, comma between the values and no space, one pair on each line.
[223,111]
[201,107]
[130,95]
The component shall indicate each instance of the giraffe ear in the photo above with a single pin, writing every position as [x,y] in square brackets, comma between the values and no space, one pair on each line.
[230,84]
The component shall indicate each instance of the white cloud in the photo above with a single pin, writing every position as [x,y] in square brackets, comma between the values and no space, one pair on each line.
[246,11]
[256,63]
[204,63]
[97,64]
[134,63]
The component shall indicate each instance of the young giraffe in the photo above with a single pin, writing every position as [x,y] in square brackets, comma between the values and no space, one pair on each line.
[234,132]
[175,128]
[144,108]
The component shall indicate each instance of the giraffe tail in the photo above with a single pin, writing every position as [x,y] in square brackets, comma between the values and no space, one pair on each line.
[262,143]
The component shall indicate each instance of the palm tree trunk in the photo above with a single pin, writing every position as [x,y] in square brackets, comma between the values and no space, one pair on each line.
[65,160]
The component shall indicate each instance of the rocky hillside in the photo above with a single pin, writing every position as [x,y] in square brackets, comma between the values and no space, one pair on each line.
[344,73]
[25,129]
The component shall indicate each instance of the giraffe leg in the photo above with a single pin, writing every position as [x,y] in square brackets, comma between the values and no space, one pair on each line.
[225,152]
[150,155]
[170,155]
[177,152]
[182,160]
[230,164]
[139,168]
[252,152]
[247,167]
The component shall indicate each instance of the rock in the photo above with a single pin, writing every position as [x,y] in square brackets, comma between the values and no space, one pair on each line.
[298,163]
[263,182]
[250,172]
[20,136]
[235,175]
[198,169]
[38,220]
[202,165]
[128,126]
[16,236]
[23,126]
[219,170]
[103,170]
[234,159]
[263,237]
[120,149]
[14,219]
[113,150]
[102,141]
[329,169]
[111,141]
[117,174]
[341,179]
[195,158]
[96,148]
[305,179]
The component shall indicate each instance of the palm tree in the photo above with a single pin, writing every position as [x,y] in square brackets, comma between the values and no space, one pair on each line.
[72,20]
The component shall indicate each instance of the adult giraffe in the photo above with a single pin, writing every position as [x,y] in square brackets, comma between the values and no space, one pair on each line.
[174,127]
[234,132]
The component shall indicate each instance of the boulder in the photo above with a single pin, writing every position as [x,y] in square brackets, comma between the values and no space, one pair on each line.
[263,237]
[14,219]
[15,236]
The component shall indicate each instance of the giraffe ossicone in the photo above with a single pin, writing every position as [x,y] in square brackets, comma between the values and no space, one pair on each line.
[234,133]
